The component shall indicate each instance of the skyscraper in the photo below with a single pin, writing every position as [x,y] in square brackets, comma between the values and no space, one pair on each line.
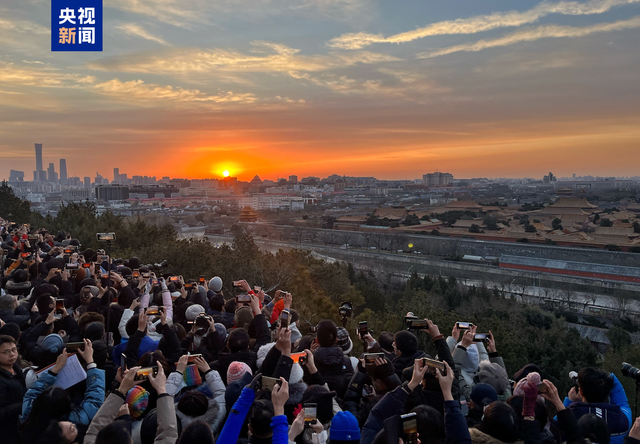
[87,182]
[39,174]
[51,172]
[63,170]
[116,175]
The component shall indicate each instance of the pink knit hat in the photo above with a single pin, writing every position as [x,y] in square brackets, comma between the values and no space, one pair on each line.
[236,371]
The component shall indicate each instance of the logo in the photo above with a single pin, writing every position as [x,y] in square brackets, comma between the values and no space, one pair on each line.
[76,25]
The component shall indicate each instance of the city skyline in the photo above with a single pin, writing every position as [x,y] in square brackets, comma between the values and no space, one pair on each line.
[314,88]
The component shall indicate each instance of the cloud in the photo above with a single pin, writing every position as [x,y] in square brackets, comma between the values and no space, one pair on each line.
[137,30]
[22,26]
[266,57]
[10,74]
[480,23]
[538,33]
[138,90]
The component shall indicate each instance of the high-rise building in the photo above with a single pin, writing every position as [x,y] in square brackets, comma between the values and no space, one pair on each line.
[51,173]
[63,170]
[116,175]
[549,179]
[87,182]
[437,178]
[112,192]
[16,176]
[293,179]
[39,174]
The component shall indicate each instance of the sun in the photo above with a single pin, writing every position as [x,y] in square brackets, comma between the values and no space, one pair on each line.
[225,173]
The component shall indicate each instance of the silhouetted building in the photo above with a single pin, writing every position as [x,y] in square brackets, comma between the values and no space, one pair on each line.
[39,174]
[112,192]
[437,178]
[16,176]
[116,175]
[248,215]
[293,179]
[87,182]
[63,170]
[51,173]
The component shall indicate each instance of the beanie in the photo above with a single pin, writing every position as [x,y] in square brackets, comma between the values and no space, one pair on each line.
[138,400]
[215,284]
[483,394]
[193,403]
[263,351]
[237,370]
[296,374]
[193,311]
[320,395]
[344,427]
[243,317]
[493,374]
[344,341]
[531,377]
[234,389]
[53,343]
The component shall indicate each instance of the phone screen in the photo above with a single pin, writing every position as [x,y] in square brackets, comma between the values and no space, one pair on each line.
[310,412]
[143,373]
[75,346]
[135,274]
[417,323]
[123,362]
[269,383]
[410,428]
[153,309]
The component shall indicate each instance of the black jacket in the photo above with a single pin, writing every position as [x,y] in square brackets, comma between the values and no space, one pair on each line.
[12,390]
[402,362]
[18,316]
[334,367]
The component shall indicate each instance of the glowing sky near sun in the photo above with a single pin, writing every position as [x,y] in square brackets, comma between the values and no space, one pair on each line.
[316,87]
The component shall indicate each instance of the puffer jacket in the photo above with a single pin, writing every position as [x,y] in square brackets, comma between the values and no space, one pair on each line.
[334,366]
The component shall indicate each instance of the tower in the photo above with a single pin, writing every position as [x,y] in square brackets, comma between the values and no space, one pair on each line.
[63,170]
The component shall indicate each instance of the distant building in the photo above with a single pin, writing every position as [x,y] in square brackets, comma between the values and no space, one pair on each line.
[63,170]
[248,215]
[87,182]
[153,191]
[39,174]
[112,192]
[116,175]
[16,176]
[293,179]
[77,194]
[51,173]
[180,183]
[437,178]
[550,178]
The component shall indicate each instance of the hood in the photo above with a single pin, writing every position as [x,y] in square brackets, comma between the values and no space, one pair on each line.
[211,416]
[295,393]
[328,356]
[402,362]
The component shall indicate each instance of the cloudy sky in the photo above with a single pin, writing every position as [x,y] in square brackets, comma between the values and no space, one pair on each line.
[392,89]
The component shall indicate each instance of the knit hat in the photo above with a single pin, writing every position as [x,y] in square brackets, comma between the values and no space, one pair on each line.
[483,394]
[344,341]
[53,343]
[215,284]
[296,374]
[344,427]
[193,403]
[234,389]
[494,375]
[237,370]
[524,371]
[193,311]
[531,377]
[243,317]
[320,395]
[138,400]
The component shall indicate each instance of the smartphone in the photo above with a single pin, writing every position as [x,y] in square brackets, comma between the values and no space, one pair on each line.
[86,265]
[363,328]
[243,298]
[269,383]
[409,428]
[97,270]
[152,310]
[464,325]
[285,316]
[418,324]
[299,358]
[433,365]
[189,286]
[123,362]
[370,359]
[135,274]
[68,251]
[479,337]
[59,305]
[174,279]
[143,373]
[146,274]
[104,275]
[542,388]
[201,280]
[154,282]
[310,412]
[25,255]
[192,358]
[257,289]
[72,266]
[73,347]
[23,241]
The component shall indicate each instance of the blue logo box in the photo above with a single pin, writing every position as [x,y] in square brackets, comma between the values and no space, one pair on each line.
[76,25]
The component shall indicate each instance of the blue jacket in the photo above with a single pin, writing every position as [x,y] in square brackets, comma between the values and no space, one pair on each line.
[455,425]
[239,411]
[280,428]
[84,413]
[617,413]
[146,345]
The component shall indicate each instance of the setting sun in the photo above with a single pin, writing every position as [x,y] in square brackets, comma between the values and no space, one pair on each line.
[225,173]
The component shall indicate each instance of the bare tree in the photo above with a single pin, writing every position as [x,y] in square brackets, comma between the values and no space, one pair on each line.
[622,304]
[567,298]
[345,237]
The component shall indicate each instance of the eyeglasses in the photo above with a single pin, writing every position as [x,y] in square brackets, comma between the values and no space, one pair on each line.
[9,351]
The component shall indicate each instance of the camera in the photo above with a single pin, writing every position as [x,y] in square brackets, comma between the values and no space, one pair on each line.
[630,371]
[346,309]
[156,266]
[107,237]
[574,380]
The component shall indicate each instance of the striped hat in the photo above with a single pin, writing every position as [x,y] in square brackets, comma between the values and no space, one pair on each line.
[138,400]
[236,371]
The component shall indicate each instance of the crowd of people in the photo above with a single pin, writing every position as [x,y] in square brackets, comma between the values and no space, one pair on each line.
[96,351]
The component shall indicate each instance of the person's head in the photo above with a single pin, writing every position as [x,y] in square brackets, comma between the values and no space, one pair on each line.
[150,359]
[260,416]
[180,331]
[193,403]
[344,429]
[595,385]
[386,341]
[11,329]
[8,351]
[238,340]
[243,317]
[327,333]
[8,302]
[132,325]
[52,404]
[45,304]
[197,432]
[595,429]
[114,433]
[230,306]
[20,276]
[54,432]
[89,317]
[501,422]
[217,302]
[295,316]
[94,331]
[405,343]
[481,396]
[430,422]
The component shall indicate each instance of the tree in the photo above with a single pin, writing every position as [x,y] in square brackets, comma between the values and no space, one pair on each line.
[556,224]
[411,219]
[474,228]
[605,222]
[619,338]
[530,229]
[12,208]
[636,227]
